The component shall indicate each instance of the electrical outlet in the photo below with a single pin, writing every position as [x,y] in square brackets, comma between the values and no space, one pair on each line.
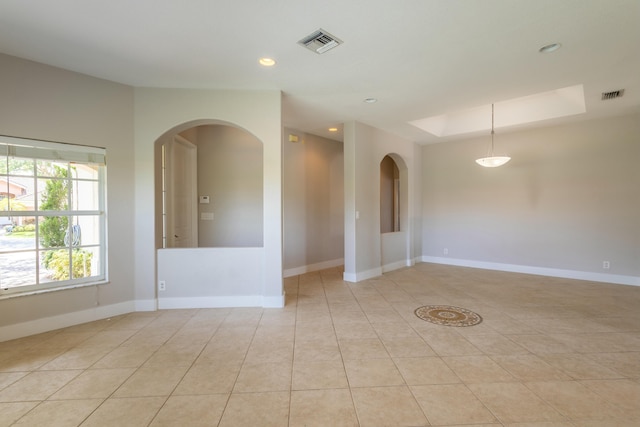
[445,251]
[606,265]
[162,286]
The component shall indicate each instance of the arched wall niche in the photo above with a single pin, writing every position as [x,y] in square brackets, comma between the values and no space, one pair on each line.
[395,239]
[206,277]
[228,173]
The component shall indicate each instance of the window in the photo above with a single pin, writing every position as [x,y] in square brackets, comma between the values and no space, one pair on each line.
[52,215]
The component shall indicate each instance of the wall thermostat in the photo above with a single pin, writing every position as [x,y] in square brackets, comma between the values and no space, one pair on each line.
[204,199]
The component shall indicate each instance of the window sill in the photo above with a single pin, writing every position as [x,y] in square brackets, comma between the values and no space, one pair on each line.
[48,290]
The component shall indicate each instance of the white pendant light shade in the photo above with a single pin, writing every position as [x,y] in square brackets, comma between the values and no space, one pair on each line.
[492,161]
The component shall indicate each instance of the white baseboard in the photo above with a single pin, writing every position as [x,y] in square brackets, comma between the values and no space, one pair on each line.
[46,324]
[273,301]
[146,305]
[313,267]
[362,275]
[223,301]
[396,265]
[540,271]
[65,320]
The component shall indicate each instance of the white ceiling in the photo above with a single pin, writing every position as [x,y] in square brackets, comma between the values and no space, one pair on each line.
[419,58]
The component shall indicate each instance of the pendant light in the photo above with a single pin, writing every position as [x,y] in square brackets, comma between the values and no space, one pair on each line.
[492,161]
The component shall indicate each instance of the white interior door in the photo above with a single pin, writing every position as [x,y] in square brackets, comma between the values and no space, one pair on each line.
[181,203]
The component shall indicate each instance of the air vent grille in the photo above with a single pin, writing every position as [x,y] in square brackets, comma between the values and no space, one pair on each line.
[320,41]
[612,94]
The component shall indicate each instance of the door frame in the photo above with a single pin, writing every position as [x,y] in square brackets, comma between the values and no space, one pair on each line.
[169,210]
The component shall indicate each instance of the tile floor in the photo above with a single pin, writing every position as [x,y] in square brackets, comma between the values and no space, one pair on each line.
[550,352]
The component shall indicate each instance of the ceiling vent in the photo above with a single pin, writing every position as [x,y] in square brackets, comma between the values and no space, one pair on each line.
[320,41]
[612,94]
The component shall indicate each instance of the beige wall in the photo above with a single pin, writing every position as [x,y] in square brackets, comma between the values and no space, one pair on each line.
[568,200]
[43,102]
[364,149]
[313,205]
[230,173]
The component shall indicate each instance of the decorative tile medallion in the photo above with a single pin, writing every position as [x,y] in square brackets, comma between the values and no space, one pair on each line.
[447,315]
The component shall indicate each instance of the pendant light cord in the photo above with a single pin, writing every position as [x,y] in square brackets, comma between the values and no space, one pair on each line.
[492,131]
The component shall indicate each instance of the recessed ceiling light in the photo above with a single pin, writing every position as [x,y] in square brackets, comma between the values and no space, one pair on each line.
[333,129]
[550,48]
[267,62]
[371,100]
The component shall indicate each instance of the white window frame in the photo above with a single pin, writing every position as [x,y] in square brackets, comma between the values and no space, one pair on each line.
[64,153]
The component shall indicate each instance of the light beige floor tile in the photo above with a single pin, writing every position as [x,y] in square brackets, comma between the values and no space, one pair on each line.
[395,330]
[354,331]
[542,424]
[513,402]
[11,411]
[601,352]
[599,343]
[530,368]
[606,423]
[478,369]
[131,322]
[151,381]
[372,373]
[407,347]
[451,404]
[368,348]
[192,411]
[77,358]
[626,364]
[126,357]
[387,406]
[496,344]
[129,412]
[384,316]
[575,401]
[325,349]
[312,317]
[426,370]
[94,384]
[209,378]
[8,378]
[108,338]
[321,408]
[273,351]
[37,385]
[230,350]
[27,360]
[541,344]
[64,340]
[622,393]
[509,326]
[269,409]
[149,337]
[579,366]
[311,331]
[183,355]
[263,377]
[310,375]
[451,345]
[60,413]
